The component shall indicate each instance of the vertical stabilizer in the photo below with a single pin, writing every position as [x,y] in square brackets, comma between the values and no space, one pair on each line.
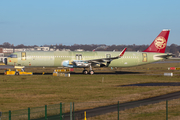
[159,44]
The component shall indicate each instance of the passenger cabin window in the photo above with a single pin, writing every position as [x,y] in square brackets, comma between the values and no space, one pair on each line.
[23,55]
[144,55]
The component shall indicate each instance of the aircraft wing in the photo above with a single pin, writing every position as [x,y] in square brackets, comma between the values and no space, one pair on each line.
[107,59]
[85,63]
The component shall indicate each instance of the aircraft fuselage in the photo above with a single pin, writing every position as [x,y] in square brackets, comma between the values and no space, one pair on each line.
[65,58]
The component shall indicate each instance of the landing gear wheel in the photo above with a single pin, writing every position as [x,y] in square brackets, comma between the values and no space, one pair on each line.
[91,72]
[85,72]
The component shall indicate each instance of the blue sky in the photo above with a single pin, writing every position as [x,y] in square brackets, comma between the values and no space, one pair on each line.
[68,22]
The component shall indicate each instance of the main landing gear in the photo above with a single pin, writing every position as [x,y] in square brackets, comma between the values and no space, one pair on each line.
[85,71]
[91,72]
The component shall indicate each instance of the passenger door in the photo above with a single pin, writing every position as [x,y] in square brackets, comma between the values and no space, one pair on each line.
[23,55]
[144,57]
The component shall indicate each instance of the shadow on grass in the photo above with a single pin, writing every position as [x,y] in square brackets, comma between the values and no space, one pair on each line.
[154,84]
[109,72]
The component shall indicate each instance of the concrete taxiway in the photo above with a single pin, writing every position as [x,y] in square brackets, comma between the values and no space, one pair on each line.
[6,67]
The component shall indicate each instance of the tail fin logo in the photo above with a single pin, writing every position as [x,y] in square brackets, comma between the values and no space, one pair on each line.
[160,42]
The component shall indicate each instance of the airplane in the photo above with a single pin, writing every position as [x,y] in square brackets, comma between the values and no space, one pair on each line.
[89,59]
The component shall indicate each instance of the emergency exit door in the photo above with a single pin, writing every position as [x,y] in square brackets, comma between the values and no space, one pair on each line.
[78,56]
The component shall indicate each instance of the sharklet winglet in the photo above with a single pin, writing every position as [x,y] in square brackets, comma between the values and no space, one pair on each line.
[122,53]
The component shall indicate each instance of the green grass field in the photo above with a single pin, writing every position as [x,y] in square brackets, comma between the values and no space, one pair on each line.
[21,92]
[150,112]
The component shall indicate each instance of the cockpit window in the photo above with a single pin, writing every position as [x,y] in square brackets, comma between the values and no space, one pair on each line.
[13,56]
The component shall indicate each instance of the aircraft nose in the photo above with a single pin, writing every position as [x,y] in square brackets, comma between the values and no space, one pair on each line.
[5,61]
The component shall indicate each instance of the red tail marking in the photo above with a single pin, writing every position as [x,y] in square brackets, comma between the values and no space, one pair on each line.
[159,44]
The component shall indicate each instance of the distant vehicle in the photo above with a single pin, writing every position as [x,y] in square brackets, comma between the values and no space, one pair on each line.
[89,59]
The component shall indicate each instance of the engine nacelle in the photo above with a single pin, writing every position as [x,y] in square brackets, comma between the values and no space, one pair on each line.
[65,63]
[102,65]
[82,64]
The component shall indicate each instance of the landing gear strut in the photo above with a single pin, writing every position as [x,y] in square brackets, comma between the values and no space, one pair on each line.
[91,72]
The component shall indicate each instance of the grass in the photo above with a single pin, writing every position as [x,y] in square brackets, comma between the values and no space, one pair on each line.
[149,112]
[21,92]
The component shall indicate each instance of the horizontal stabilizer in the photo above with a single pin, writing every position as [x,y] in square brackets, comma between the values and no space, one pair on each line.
[166,56]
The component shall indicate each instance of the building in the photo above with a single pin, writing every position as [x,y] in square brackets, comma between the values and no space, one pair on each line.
[1,57]
[41,48]
[6,50]
[79,50]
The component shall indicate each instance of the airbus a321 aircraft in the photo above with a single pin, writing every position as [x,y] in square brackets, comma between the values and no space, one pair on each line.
[89,59]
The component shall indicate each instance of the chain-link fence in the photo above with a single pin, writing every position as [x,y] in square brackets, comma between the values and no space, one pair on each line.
[99,111]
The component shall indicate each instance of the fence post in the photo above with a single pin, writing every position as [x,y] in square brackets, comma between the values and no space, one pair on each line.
[9,114]
[73,111]
[45,112]
[28,113]
[60,111]
[118,110]
[166,109]
[70,110]
[0,115]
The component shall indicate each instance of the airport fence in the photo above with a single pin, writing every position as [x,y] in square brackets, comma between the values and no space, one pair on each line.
[98,111]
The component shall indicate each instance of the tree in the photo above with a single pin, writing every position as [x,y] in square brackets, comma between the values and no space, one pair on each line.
[173,49]
[6,45]
[20,46]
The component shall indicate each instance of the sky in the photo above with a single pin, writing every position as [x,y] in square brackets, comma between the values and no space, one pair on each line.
[68,22]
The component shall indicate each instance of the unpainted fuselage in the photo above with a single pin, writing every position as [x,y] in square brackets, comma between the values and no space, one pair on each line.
[64,58]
